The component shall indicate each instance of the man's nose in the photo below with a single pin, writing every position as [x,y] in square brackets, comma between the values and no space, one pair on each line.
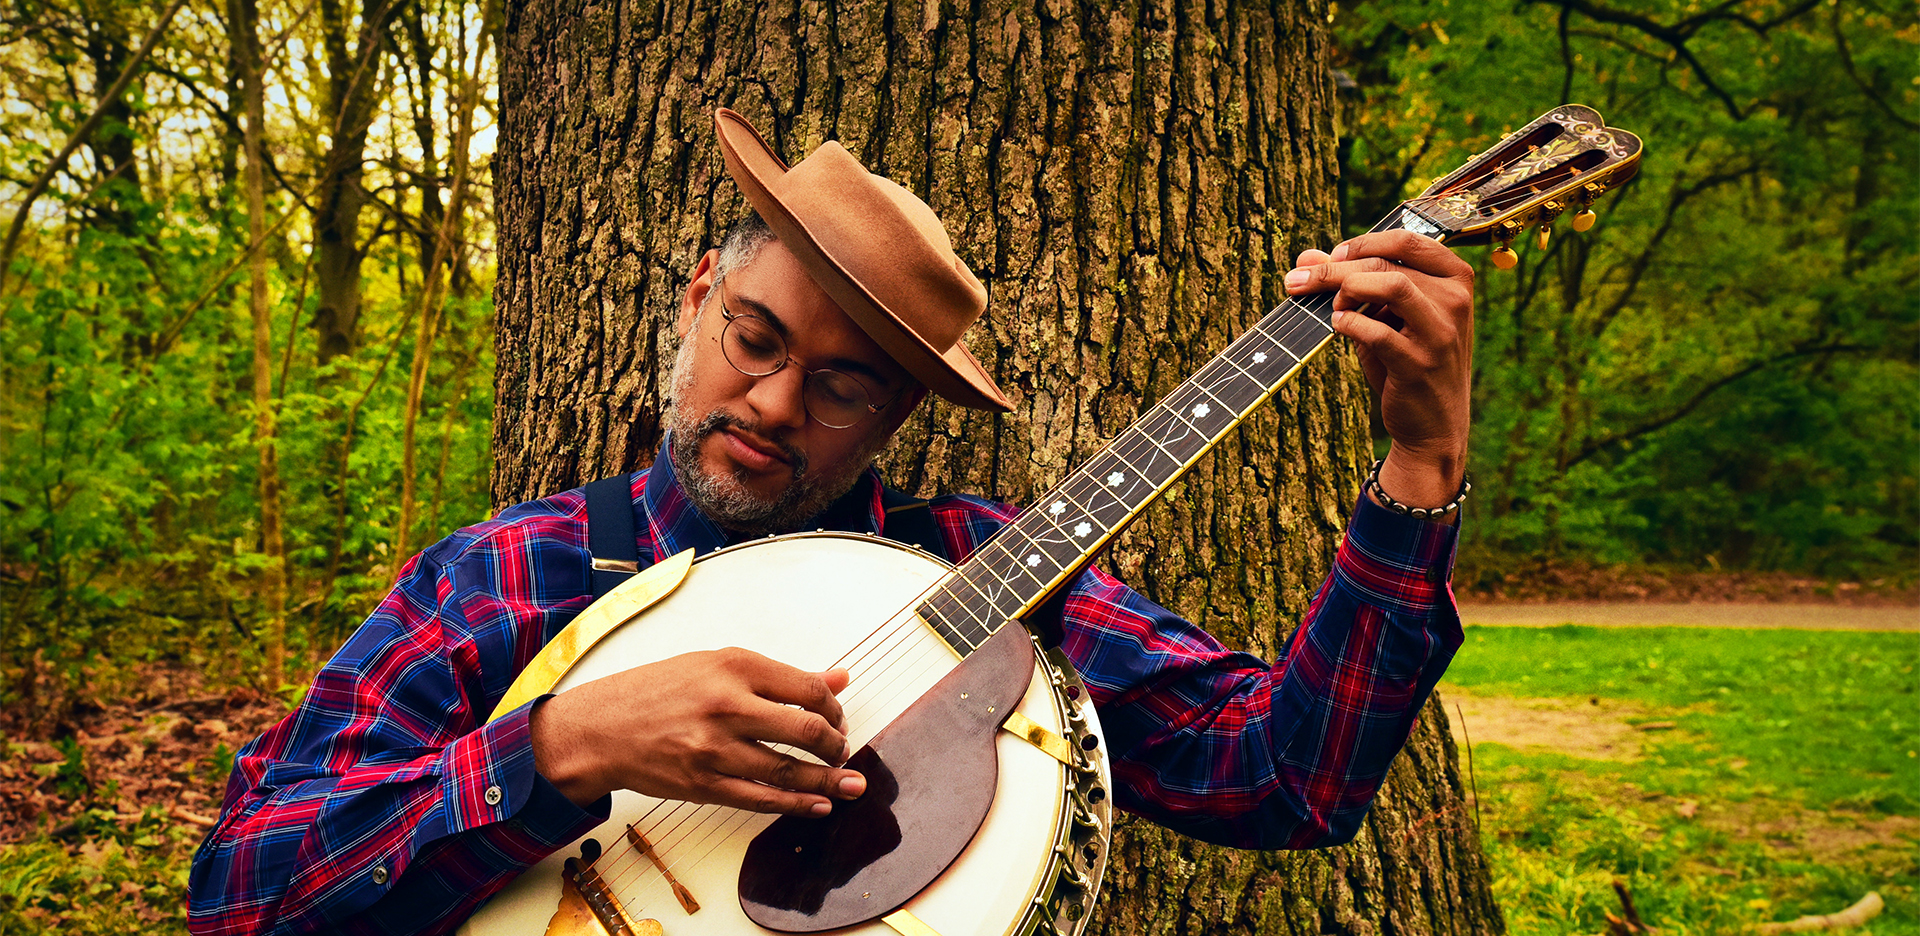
[779,399]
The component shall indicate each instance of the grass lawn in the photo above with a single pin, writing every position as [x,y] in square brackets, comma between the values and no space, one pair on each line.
[1727,776]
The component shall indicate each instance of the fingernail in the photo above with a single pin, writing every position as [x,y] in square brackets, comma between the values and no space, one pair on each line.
[1340,252]
[851,787]
[1297,278]
[820,809]
[1340,316]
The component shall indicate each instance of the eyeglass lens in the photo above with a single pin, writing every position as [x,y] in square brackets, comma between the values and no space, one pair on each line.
[755,349]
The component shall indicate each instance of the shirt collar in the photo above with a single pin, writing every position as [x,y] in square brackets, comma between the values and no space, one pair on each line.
[677,525]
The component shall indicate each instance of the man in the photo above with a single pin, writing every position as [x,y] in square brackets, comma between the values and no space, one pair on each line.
[386,803]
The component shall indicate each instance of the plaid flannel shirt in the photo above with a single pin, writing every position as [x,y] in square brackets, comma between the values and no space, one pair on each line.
[385,803]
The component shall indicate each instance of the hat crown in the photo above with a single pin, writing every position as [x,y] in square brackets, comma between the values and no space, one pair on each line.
[877,250]
[900,250]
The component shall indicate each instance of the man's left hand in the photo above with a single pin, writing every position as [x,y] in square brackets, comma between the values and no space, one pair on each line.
[1407,304]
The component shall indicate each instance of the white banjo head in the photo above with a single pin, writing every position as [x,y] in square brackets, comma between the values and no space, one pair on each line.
[816,601]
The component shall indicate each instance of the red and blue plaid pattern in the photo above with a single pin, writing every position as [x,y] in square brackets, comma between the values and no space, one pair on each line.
[384,804]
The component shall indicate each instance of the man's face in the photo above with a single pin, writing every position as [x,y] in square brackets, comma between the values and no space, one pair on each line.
[744,447]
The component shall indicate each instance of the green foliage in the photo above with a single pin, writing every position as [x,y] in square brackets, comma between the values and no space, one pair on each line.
[1722,372]
[121,879]
[1832,716]
[130,515]
[1776,730]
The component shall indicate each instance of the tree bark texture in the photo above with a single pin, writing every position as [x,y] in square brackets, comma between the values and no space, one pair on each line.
[1130,184]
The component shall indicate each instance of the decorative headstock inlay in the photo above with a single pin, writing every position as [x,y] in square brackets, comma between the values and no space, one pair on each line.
[1566,158]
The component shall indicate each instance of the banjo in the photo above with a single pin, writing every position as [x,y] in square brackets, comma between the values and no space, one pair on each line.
[987,811]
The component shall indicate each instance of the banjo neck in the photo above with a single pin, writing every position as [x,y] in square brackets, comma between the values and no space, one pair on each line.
[1042,549]
[1565,159]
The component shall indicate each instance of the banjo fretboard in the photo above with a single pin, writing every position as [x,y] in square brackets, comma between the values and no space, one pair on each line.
[1022,565]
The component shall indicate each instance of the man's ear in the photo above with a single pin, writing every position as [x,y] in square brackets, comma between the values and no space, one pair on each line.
[697,291]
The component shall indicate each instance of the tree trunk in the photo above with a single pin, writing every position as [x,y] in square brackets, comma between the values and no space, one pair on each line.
[354,83]
[243,24]
[1130,186]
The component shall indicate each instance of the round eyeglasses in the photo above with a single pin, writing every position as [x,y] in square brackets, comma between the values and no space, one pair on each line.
[754,348]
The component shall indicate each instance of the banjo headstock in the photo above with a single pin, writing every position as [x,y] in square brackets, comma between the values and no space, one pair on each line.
[1565,159]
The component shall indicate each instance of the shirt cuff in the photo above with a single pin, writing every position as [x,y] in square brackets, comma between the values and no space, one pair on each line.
[489,777]
[1400,564]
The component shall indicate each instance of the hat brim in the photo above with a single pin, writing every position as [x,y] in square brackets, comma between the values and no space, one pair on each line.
[953,374]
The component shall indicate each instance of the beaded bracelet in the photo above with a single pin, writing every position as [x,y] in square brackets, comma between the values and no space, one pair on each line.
[1418,513]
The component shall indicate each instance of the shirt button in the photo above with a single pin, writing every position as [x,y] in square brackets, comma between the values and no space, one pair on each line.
[379,875]
[493,796]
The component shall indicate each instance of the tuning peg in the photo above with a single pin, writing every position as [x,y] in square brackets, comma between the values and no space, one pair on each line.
[1584,219]
[1504,257]
[1546,231]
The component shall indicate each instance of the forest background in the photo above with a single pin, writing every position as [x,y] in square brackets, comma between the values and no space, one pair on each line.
[246,314]
[219,455]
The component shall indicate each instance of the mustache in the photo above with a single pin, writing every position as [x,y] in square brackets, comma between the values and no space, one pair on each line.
[720,419]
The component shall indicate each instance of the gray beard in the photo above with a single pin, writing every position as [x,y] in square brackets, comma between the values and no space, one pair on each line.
[725,498]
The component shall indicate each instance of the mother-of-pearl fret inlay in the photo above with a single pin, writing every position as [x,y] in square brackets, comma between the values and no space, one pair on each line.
[1021,565]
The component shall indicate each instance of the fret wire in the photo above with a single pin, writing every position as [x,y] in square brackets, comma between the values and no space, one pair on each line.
[1060,493]
[959,578]
[1202,432]
[1262,329]
[1259,329]
[1216,396]
[1137,449]
[1092,505]
[1042,518]
[1317,331]
[975,564]
[1171,417]
[1137,476]
[1219,377]
[1177,460]
[1243,371]
[949,592]
[1019,562]
[949,629]
[1277,329]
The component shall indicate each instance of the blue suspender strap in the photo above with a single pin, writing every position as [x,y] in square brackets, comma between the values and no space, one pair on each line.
[610,537]
[909,520]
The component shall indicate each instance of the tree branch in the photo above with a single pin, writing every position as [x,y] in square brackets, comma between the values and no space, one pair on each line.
[1675,36]
[226,117]
[80,137]
[1846,60]
[1700,396]
[1651,249]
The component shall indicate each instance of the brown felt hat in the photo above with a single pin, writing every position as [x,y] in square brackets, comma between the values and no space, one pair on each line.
[877,250]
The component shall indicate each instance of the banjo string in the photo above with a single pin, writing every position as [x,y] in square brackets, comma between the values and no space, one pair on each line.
[885,640]
[877,689]
[703,831]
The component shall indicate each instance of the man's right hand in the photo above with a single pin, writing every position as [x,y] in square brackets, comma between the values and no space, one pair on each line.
[696,728]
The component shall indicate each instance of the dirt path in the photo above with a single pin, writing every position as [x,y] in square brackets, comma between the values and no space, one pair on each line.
[1656,614]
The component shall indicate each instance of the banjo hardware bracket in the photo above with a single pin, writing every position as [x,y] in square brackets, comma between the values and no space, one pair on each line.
[1050,744]
[1065,906]
[906,924]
